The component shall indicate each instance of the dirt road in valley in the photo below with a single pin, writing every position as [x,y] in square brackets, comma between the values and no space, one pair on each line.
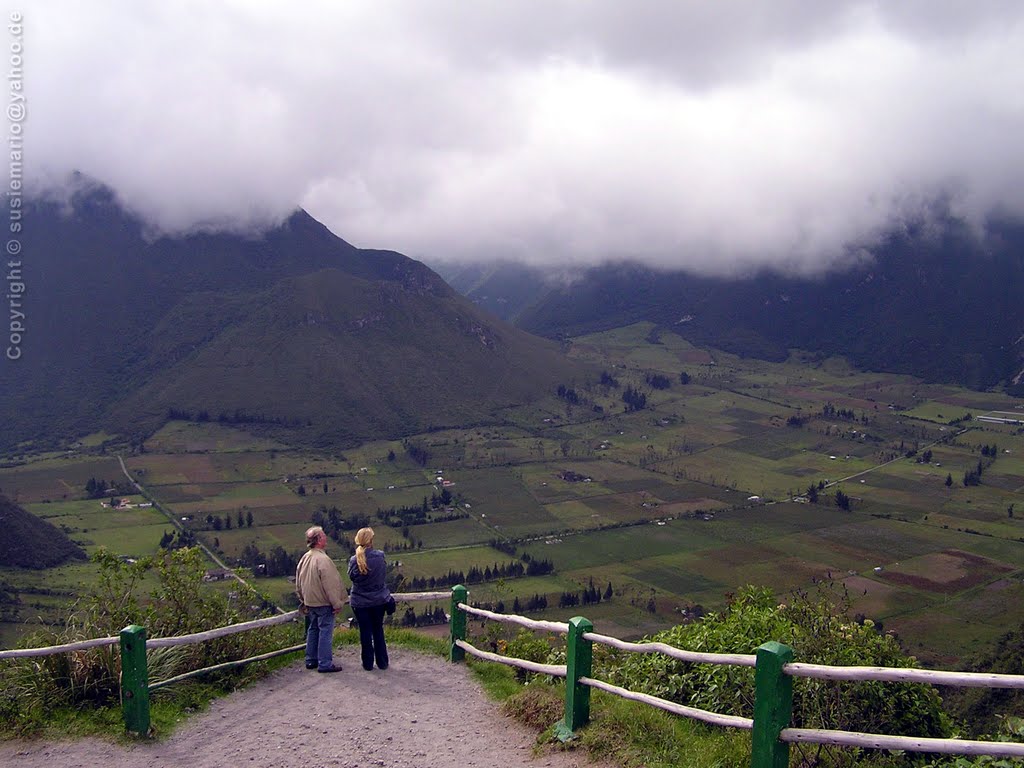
[421,713]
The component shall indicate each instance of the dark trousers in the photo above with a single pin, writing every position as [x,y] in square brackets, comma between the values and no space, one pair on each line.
[371,636]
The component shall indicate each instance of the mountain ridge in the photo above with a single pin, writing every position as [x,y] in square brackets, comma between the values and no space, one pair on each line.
[935,300]
[118,323]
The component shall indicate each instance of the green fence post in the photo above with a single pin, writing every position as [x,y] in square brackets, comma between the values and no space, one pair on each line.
[579,656]
[773,706]
[458,621]
[134,680]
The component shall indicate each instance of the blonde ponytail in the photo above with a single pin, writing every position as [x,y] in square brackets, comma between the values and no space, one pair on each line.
[364,541]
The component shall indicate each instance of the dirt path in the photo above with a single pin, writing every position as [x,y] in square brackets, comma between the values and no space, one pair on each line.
[420,713]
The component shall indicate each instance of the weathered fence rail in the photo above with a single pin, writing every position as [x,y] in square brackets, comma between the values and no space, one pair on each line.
[81,645]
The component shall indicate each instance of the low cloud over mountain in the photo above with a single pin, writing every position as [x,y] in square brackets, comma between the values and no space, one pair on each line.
[715,136]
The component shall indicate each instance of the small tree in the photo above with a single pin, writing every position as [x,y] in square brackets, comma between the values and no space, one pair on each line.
[842,500]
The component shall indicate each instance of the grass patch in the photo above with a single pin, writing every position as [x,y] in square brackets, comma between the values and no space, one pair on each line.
[623,732]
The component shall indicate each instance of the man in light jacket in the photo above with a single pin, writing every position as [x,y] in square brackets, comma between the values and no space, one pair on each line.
[318,587]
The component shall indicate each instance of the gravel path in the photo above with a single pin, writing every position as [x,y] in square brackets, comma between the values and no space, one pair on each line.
[421,713]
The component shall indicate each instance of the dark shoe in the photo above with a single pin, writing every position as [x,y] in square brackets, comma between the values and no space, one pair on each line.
[368,669]
[310,665]
[333,668]
[382,668]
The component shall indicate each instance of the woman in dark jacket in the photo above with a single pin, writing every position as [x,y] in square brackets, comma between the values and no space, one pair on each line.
[369,598]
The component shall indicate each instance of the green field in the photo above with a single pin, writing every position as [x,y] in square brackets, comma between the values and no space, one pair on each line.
[674,505]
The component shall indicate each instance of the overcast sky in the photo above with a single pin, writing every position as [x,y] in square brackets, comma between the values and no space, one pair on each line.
[717,135]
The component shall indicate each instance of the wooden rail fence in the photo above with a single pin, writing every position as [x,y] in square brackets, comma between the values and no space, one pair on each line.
[774,670]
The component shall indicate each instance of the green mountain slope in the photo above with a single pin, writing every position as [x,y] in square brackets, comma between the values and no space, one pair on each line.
[294,328]
[339,358]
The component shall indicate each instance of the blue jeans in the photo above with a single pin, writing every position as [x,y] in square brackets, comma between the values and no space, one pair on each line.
[319,636]
[371,636]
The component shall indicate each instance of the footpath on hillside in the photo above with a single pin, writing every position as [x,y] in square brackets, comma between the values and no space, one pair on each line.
[420,713]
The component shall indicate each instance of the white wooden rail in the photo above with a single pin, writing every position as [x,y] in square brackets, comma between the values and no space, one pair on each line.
[906,743]
[736,659]
[556,670]
[729,721]
[231,629]
[548,626]
[225,665]
[81,645]
[904,675]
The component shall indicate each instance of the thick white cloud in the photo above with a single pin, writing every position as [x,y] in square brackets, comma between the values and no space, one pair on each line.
[720,136]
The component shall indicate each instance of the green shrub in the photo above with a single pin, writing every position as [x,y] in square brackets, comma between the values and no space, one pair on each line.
[35,688]
[819,631]
[1010,729]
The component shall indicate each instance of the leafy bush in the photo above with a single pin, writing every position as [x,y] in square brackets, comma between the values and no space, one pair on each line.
[818,630]
[179,603]
[1010,729]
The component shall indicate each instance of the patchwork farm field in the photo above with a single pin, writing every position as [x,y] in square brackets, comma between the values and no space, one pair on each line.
[779,474]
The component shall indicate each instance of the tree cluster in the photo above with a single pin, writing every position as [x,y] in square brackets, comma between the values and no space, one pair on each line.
[334,524]
[404,546]
[658,381]
[534,603]
[511,570]
[588,596]
[429,617]
[503,546]
[973,476]
[607,380]
[829,411]
[218,523]
[98,489]
[238,416]
[634,399]
[276,563]
[427,512]
[172,540]
[417,452]
[568,394]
